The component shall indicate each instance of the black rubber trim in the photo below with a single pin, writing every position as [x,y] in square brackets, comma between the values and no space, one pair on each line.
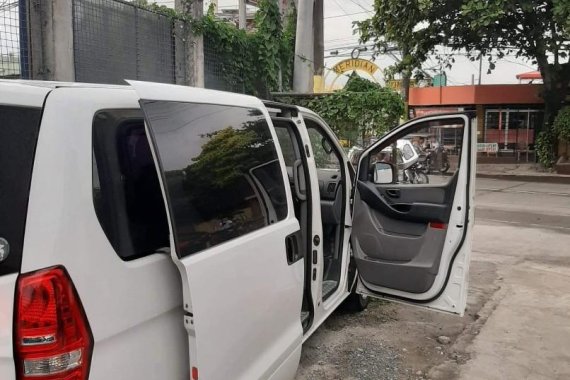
[286,110]
[466,224]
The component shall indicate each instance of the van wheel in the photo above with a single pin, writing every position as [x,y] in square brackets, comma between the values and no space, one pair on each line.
[356,303]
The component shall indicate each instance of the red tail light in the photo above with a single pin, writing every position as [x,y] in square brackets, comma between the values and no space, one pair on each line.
[52,336]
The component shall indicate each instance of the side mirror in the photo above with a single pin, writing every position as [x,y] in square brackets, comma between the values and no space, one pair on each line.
[383,173]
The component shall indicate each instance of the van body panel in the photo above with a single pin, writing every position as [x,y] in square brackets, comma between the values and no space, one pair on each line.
[412,242]
[20,112]
[132,306]
[225,296]
[242,292]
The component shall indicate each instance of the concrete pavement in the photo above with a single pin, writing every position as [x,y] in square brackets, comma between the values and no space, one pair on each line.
[517,322]
[523,228]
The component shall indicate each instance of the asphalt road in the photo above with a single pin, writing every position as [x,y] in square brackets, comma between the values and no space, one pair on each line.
[517,323]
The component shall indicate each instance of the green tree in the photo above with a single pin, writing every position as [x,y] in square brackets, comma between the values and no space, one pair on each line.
[537,30]
[362,108]
[395,23]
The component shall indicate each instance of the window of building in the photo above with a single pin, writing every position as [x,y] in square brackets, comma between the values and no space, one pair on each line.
[221,170]
[512,129]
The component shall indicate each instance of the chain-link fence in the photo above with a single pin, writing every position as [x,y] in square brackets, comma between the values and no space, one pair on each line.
[115,40]
[219,75]
[13,39]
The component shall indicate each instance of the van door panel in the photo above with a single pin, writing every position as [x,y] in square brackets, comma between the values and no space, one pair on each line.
[406,236]
[230,222]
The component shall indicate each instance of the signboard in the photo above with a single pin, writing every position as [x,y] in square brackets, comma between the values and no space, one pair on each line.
[487,147]
[355,64]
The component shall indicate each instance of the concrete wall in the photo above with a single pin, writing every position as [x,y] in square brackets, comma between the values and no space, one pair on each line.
[51,40]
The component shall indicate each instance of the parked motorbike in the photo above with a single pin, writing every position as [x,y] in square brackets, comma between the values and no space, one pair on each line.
[436,161]
[416,174]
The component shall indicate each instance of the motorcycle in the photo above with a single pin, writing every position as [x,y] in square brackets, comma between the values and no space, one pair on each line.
[416,174]
[436,161]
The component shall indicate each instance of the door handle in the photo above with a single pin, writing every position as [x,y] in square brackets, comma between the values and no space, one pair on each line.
[297,178]
[292,248]
[393,193]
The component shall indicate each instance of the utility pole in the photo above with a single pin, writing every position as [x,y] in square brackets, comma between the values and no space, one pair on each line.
[242,14]
[480,68]
[194,44]
[319,37]
[304,53]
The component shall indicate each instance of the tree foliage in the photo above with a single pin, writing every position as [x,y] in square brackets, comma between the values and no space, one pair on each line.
[254,59]
[404,25]
[536,30]
[370,110]
[561,125]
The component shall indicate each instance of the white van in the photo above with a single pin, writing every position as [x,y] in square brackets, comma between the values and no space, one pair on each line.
[154,231]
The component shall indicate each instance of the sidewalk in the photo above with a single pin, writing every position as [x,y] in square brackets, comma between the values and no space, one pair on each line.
[520,172]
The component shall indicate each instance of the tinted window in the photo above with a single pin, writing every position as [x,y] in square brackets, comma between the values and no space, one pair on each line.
[221,171]
[126,191]
[19,129]
[325,155]
[286,143]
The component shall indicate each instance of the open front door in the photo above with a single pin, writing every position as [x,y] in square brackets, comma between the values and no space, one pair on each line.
[413,213]
[233,232]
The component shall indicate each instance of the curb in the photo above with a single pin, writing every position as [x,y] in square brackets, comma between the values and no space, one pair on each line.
[560,179]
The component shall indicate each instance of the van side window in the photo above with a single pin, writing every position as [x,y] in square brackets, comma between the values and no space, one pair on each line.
[126,191]
[221,171]
[325,155]
[19,129]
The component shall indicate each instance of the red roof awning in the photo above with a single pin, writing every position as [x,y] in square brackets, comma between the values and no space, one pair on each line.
[530,75]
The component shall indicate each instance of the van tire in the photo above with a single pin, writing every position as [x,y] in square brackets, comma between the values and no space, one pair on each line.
[356,303]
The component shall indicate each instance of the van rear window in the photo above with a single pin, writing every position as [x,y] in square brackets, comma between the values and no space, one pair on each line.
[19,127]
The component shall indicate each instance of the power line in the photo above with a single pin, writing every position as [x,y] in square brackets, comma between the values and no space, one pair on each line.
[345,15]
[361,7]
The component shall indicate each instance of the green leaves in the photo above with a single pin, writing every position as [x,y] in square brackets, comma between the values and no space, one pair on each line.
[409,25]
[561,125]
[361,107]
[253,58]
